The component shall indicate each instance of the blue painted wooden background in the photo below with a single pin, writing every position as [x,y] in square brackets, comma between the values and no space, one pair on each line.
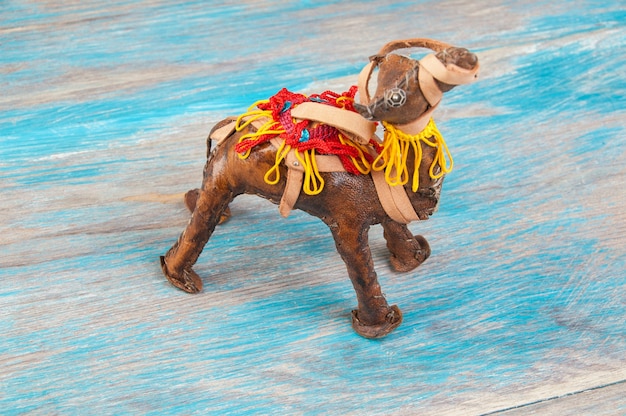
[105,106]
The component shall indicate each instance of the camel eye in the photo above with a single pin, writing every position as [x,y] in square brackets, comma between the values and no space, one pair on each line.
[395,97]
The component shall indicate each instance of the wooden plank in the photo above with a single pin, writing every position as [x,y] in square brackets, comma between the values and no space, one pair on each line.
[105,104]
[603,400]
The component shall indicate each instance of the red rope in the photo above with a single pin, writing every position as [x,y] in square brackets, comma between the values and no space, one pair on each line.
[323,138]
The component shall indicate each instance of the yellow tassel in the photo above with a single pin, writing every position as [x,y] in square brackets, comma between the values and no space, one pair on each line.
[313,183]
[281,153]
[396,145]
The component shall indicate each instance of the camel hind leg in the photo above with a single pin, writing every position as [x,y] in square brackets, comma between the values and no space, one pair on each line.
[191,198]
[178,261]
[225,176]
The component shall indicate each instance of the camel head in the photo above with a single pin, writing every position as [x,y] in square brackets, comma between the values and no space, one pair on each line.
[409,89]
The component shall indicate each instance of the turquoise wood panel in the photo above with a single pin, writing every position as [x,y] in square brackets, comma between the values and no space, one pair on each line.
[104,106]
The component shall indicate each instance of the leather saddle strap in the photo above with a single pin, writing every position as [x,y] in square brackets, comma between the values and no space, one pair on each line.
[220,134]
[394,199]
[295,175]
[350,123]
[291,192]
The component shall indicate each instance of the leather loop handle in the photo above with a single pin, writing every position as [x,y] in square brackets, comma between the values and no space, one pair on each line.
[363,82]
[431,44]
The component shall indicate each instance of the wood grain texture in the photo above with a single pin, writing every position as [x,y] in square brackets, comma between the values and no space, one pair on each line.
[104,105]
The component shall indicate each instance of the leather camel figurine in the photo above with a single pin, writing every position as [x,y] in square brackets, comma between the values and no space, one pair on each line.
[320,154]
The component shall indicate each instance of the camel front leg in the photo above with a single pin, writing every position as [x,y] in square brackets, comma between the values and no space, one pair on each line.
[178,261]
[374,318]
[407,251]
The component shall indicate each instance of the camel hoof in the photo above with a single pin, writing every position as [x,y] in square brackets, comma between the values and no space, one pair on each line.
[419,257]
[392,321]
[189,282]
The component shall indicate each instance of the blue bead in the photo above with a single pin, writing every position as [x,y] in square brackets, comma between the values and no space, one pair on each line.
[286,107]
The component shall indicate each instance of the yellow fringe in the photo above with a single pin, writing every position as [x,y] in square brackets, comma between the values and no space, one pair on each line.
[396,146]
[253,114]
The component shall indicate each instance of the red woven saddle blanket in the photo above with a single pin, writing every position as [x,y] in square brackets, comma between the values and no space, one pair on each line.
[319,124]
